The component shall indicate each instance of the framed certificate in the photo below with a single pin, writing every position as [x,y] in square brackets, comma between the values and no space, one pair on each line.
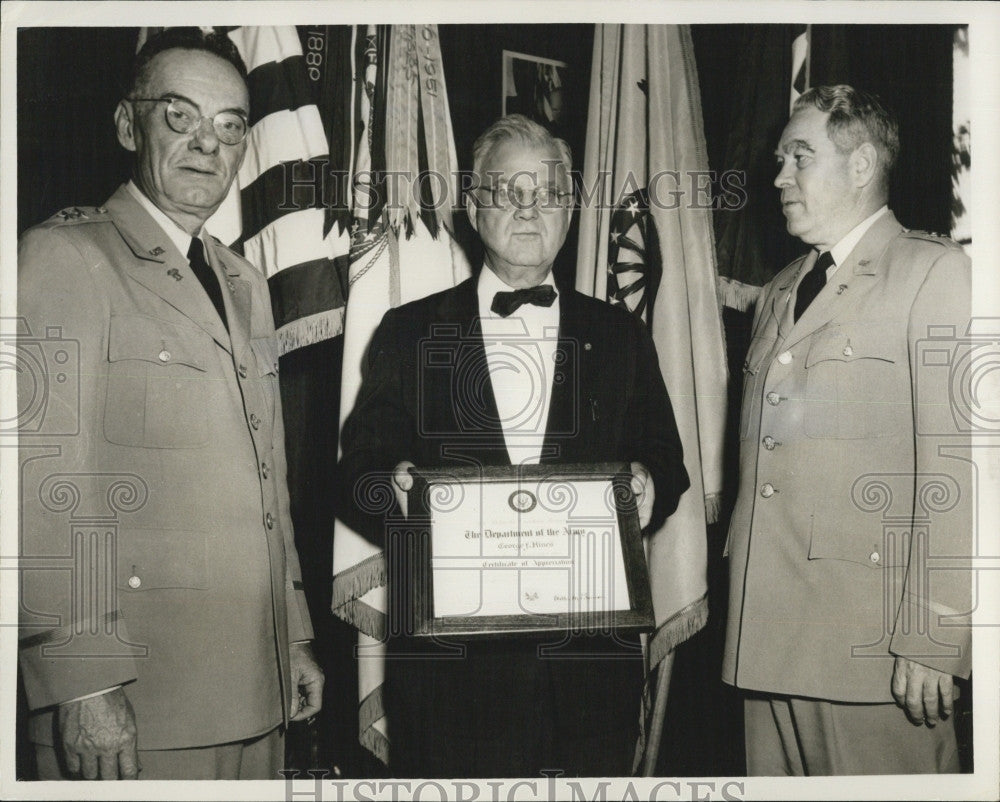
[526,549]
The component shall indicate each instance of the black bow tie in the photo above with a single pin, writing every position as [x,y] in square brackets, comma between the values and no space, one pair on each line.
[506,302]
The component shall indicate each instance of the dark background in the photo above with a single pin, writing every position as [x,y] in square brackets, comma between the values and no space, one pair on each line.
[70,80]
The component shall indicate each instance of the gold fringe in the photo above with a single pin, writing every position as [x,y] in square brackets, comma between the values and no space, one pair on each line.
[677,629]
[310,329]
[735,294]
[713,507]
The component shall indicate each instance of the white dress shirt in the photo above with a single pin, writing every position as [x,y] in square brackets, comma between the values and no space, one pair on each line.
[520,353]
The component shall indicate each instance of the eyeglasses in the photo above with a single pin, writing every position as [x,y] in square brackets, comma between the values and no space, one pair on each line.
[505,196]
[184,117]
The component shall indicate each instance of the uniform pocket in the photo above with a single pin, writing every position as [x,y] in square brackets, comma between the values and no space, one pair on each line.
[157,383]
[854,387]
[159,559]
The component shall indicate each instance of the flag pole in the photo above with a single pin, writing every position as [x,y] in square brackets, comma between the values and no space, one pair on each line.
[652,754]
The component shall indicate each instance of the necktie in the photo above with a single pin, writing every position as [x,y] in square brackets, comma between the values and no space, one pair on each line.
[196,256]
[506,302]
[812,283]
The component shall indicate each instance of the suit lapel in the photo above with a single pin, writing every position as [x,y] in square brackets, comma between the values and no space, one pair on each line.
[570,353]
[161,268]
[851,280]
[236,292]
[782,301]
[462,305]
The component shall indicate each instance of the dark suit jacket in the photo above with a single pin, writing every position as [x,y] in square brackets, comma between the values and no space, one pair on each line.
[155,533]
[498,708]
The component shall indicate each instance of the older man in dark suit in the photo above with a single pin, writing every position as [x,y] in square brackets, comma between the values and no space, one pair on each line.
[543,374]
[855,473]
[176,645]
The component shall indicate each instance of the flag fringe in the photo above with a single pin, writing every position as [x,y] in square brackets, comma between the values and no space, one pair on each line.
[677,629]
[735,294]
[362,616]
[376,743]
[713,507]
[310,329]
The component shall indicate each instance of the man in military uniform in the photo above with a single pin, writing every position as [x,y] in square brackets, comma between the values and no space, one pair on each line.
[833,616]
[176,646]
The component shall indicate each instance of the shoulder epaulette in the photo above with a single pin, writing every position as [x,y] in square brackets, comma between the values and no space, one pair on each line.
[941,239]
[79,214]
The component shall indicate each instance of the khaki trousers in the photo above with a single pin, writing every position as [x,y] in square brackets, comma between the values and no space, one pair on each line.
[792,736]
[257,758]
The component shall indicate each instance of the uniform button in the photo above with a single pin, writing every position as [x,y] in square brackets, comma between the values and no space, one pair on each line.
[848,351]
[231,285]
[264,470]
[269,520]
[164,355]
[769,443]
[134,582]
[773,399]
[254,420]
[785,357]
[243,371]
[874,557]
[767,490]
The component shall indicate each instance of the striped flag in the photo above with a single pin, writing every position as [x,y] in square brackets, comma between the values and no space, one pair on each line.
[654,253]
[800,63]
[401,250]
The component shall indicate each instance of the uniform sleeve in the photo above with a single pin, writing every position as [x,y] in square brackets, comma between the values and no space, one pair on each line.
[72,638]
[932,624]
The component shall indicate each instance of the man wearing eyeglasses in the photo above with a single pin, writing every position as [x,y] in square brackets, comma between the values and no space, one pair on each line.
[175,646]
[536,373]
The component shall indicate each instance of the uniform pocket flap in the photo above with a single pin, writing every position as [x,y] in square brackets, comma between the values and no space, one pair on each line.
[849,343]
[157,341]
[871,547]
[156,559]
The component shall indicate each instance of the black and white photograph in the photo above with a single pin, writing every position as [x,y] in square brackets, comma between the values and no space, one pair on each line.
[489,402]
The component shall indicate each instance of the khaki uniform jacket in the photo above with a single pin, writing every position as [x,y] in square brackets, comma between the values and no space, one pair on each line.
[156,542]
[841,410]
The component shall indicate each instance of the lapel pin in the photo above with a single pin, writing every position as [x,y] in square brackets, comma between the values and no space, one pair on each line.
[156,251]
[175,274]
[841,288]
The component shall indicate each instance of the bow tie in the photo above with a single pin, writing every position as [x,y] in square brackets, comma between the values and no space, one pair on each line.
[506,302]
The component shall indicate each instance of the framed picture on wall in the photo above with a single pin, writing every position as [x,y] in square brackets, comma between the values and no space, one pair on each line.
[533,86]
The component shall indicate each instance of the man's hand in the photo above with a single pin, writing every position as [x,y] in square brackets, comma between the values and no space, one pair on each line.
[402,482]
[642,486]
[98,737]
[925,693]
[307,681]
